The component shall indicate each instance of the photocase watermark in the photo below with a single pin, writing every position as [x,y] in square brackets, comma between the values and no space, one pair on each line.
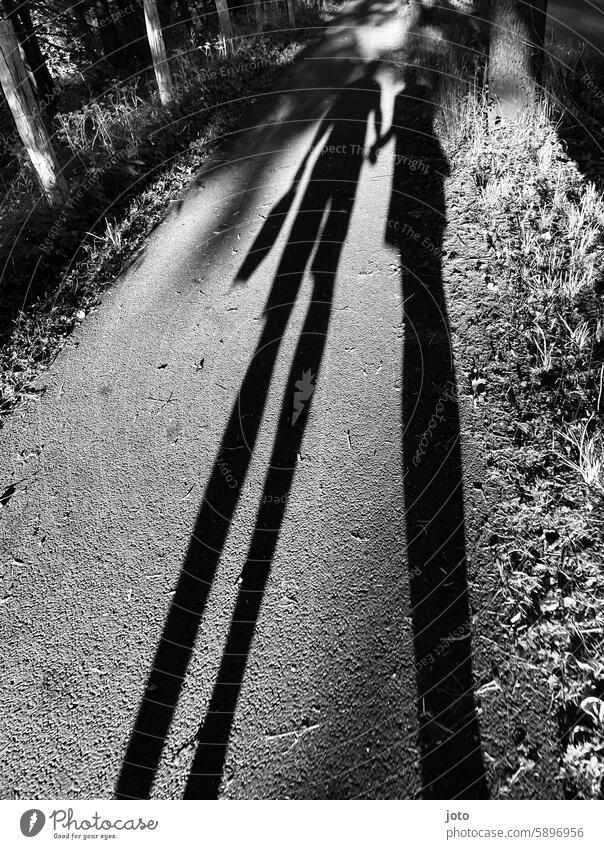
[267,498]
[7,141]
[275,499]
[442,647]
[66,826]
[304,390]
[115,16]
[413,163]
[231,69]
[78,192]
[402,228]
[32,822]
[224,468]
[593,88]
[450,394]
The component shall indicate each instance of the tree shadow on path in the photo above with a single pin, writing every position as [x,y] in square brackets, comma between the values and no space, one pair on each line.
[320,225]
[449,741]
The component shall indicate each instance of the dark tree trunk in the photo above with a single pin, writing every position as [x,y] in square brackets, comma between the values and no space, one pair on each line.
[516,58]
[224,21]
[164,7]
[185,15]
[83,28]
[34,59]
[259,13]
[538,21]
[135,33]
[108,31]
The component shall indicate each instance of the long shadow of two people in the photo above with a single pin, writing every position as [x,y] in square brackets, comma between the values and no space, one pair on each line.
[317,234]
[449,744]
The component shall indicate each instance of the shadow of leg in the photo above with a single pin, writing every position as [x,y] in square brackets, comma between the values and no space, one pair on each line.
[180,630]
[206,771]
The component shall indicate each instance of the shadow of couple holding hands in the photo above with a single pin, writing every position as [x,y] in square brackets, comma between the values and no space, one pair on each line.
[448,736]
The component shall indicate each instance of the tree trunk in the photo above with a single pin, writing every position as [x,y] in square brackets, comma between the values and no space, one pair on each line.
[516,54]
[34,60]
[224,20]
[158,53]
[291,14]
[83,27]
[259,14]
[133,23]
[185,15]
[110,37]
[25,109]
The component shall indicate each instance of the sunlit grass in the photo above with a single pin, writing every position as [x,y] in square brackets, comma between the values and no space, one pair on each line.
[542,223]
[585,452]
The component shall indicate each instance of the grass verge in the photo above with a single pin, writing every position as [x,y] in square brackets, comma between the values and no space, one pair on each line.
[540,222]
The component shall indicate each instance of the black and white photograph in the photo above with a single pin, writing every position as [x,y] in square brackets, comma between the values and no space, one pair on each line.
[302,421]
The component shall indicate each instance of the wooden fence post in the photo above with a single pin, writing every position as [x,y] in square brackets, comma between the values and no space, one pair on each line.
[26,112]
[224,19]
[291,14]
[158,53]
[259,12]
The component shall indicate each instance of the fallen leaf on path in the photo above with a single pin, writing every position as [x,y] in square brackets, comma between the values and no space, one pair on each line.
[549,604]
[491,687]
[594,707]
[7,495]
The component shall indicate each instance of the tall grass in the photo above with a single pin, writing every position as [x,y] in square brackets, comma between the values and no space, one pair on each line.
[540,210]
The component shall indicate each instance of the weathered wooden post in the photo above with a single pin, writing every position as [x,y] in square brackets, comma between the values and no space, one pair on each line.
[224,21]
[26,112]
[158,53]
[259,11]
[291,14]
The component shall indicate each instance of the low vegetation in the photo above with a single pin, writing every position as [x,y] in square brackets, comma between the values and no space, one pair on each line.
[541,220]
